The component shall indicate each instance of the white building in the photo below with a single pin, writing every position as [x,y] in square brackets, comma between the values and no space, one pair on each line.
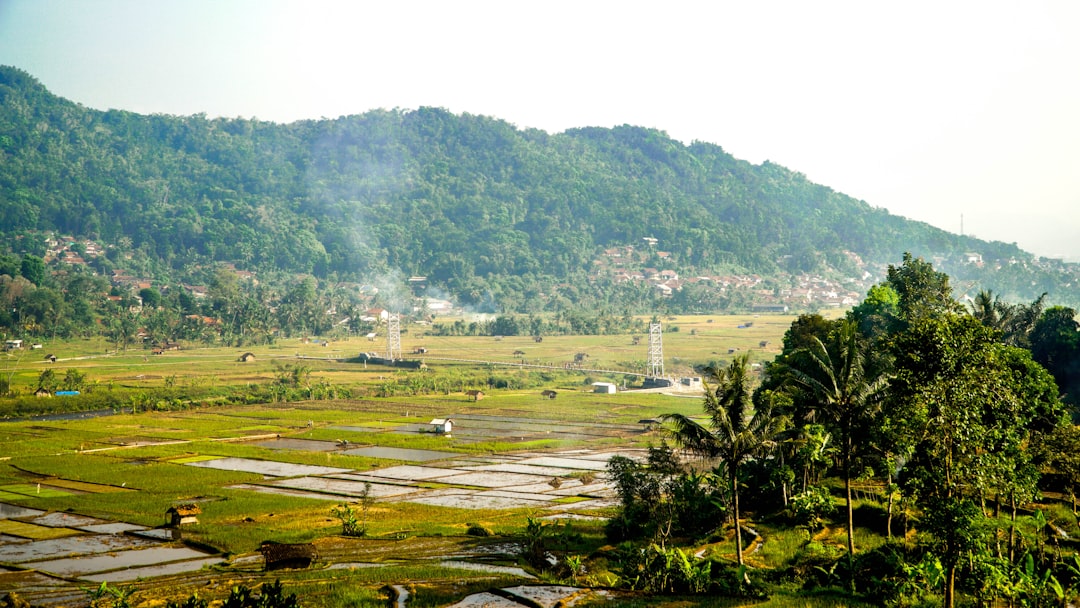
[603,387]
[442,426]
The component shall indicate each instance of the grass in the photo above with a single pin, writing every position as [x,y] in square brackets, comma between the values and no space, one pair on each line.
[33,490]
[32,531]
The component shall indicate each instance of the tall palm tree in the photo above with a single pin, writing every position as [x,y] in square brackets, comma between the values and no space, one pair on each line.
[844,389]
[732,434]
[1014,321]
[991,311]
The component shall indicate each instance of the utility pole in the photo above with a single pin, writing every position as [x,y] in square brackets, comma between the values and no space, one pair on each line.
[656,351]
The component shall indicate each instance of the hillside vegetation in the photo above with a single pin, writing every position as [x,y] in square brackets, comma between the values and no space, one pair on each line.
[486,211]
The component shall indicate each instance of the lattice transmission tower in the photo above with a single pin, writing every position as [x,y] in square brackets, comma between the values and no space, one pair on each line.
[393,336]
[656,351]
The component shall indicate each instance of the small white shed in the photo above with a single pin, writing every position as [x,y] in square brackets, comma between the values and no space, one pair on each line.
[443,426]
[604,387]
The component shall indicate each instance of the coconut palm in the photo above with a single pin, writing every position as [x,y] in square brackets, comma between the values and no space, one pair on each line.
[991,311]
[731,434]
[843,389]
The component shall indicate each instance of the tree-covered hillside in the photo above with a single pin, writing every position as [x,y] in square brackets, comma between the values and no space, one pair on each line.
[478,206]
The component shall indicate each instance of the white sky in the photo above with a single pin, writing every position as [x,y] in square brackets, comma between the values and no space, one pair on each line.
[929,109]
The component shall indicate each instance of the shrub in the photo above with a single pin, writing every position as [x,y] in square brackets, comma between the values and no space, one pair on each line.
[478,530]
[810,507]
[354,519]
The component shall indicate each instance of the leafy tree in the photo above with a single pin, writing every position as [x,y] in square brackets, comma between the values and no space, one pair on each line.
[150,297]
[33,269]
[47,380]
[878,311]
[9,265]
[733,434]
[74,380]
[922,291]
[967,416]
[1055,344]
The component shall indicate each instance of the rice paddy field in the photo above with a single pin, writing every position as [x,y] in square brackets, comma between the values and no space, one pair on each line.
[85,496]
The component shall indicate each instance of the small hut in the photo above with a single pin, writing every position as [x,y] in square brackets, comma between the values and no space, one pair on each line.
[288,555]
[181,515]
[442,426]
[475,394]
[247,358]
[50,358]
[42,392]
[549,394]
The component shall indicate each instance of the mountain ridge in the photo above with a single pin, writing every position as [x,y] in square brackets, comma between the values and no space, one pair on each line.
[479,206]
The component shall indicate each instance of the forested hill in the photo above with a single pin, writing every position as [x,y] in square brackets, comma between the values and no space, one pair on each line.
[471,202]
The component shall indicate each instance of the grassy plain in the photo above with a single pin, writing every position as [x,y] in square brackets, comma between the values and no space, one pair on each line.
[132,467]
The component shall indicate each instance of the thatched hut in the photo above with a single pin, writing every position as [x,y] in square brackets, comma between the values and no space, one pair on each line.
[181,515]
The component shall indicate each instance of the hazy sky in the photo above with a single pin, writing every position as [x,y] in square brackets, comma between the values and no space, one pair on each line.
[928,109]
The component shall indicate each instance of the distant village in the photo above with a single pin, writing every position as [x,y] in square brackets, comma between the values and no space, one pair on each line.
[646,263]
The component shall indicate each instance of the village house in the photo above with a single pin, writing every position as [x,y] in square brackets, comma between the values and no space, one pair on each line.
[378,315]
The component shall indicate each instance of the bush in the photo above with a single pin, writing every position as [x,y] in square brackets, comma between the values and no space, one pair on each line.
[664,571]
[478,530]
[354,519]
[812,506]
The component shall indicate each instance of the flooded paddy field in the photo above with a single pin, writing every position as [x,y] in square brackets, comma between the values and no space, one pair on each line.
[291,443]
[88,507]
[401,453]
[89,549]
[265,467]
[535,482]
[481,427]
